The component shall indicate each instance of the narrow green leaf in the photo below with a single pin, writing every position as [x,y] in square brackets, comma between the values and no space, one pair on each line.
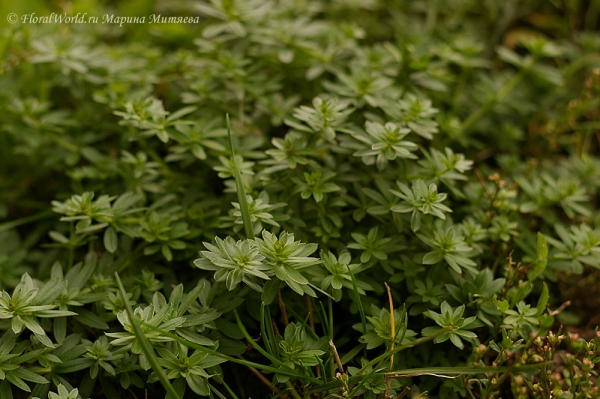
[6,390]
[50,291]
[60,329]
[146,346]
[111,241]
[270,291]
[90,319]
[543,301]
[239,184]
[520,293]
[353,352]
[222,382]
[542,258]
[16,381]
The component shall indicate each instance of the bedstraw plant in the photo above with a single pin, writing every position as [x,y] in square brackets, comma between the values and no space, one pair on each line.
[300,199]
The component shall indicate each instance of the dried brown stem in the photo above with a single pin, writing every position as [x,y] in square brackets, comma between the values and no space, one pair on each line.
[261,377]
[560,309]
[282,308]
[336,356]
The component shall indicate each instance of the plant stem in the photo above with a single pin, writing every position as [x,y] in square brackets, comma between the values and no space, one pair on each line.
[261,377]
[431,17]
[392,324]
[221,381]
[330,330]
[282,308]
[290,371]
[270,369]
[393,335]
[489,104]
[458,89]
[292,390]
[28,219]
[145,344]
[71,247]
[416,342]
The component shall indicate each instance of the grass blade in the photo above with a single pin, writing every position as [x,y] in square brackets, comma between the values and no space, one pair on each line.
[146,346]
[239,185]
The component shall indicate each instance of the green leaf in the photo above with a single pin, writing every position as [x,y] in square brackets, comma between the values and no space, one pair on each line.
[543,301]
[111,241]
[198,384]
[90,319]
[502,305]
[432,258]
[16,381]
[5,390]
[60,329]
[270,291]
[509,56]
[29,376]
[542,258]
[50,291]
[520,294]
[240,189]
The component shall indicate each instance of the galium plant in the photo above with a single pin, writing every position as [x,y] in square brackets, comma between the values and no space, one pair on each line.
[399,192]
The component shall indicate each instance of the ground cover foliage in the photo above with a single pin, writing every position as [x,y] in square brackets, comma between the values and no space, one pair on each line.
[403,201]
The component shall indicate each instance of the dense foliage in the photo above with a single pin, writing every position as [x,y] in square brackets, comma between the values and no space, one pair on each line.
[409,192]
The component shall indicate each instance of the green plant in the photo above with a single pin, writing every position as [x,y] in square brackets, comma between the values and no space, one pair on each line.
[345,198]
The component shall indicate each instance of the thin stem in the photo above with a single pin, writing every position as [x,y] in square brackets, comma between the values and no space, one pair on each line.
[155,157]
[263,330]
[336,356]
[145,344]
[72,246]
[311,318]
[275,361]
[330,316]
[392,324]
[282,308]
[261,377]
[414,343]
[292,390]
[28,219]
[591,16]
[284,371]
[63,143]
[393,335]
[221,381]
[489,104]
[330,322]
[431,18]
[311,323]
[458,89]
